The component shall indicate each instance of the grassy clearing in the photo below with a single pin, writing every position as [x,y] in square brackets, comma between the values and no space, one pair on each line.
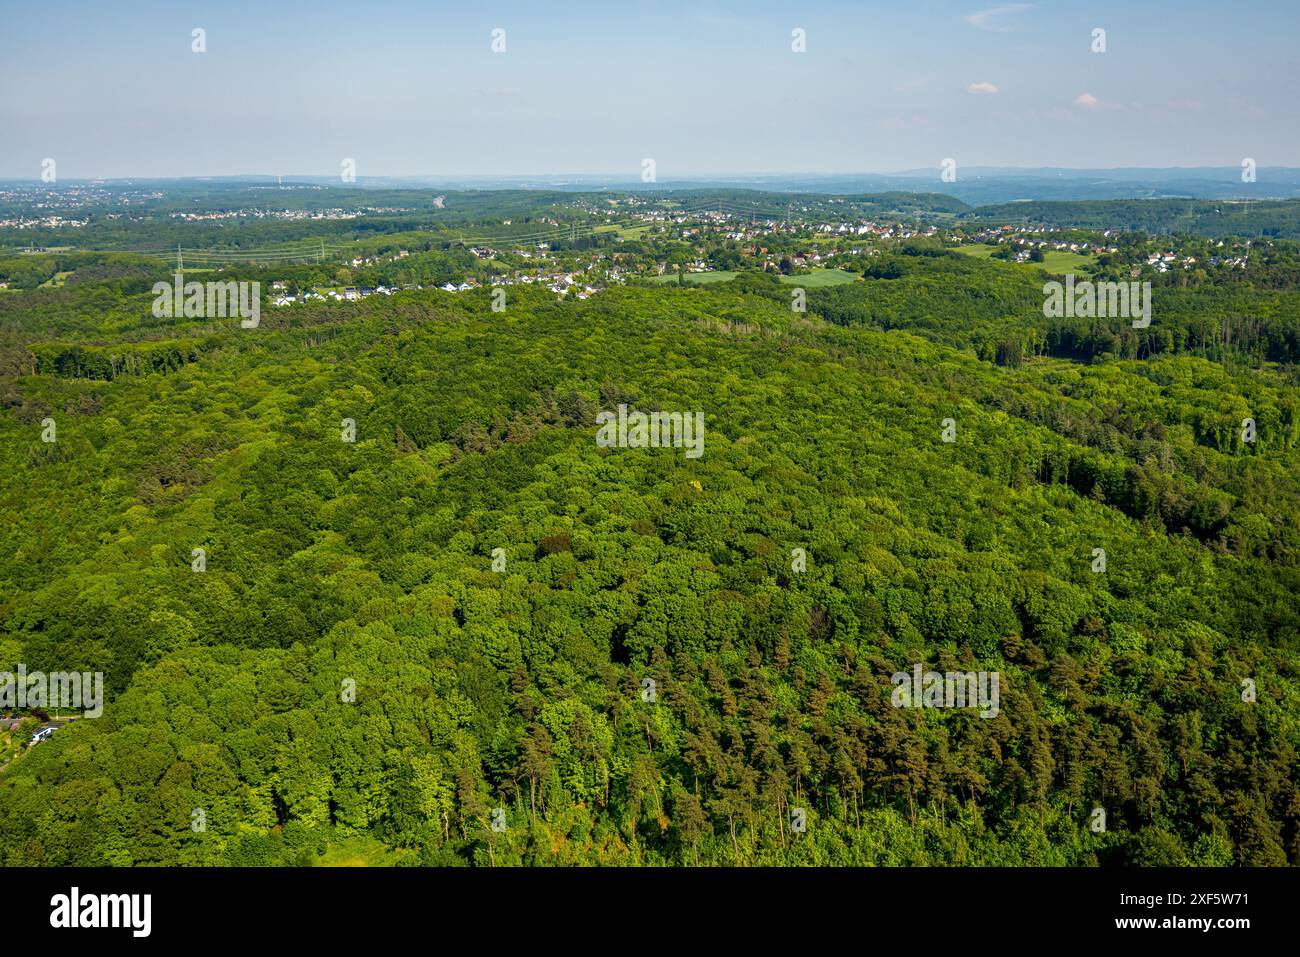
[819,277]
[697,278]
[57,280]
[1055,261]
[624,232]
[358,850]
[822,277]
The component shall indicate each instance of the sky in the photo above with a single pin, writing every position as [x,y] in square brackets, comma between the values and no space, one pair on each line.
[403,88]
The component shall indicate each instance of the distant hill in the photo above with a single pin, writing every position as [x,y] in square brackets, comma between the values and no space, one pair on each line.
[1203,217]
[976,185]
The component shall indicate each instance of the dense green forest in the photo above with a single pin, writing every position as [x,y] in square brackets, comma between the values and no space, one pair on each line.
[458,612]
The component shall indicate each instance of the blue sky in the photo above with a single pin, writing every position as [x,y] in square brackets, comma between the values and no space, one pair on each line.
[413,88]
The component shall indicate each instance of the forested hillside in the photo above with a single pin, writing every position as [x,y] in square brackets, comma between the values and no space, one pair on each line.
[1206,217]
[459,611]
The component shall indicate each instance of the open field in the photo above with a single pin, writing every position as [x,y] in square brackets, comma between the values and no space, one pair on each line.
[356,850]
[1055,261]
[822,277]
[818,277]
[624,232]
[697,278]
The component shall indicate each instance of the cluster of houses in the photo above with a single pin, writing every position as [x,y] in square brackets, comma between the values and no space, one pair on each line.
[773,228]
[290,214]
[369,260]
[1160,260]
[1164,261]
[558,283]
[1026,246]
[886,231]
[44,222]
[348,293]
[1238,262]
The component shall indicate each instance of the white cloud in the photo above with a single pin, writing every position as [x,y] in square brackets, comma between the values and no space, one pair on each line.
[981,20]
[1086,100]
[981,88]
